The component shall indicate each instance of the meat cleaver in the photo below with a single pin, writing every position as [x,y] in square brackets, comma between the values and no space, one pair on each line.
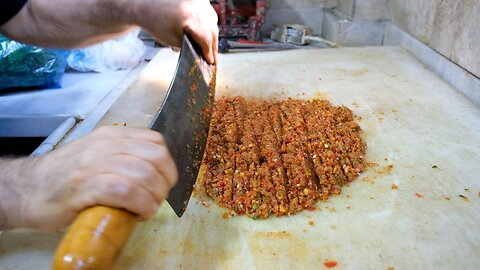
[184,120]
[99,233]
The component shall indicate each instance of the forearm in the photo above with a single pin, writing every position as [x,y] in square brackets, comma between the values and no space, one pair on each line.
[69,23]
[74,23]
[12,176]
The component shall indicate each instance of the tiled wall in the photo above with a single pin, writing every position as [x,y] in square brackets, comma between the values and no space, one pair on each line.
[451,27]
[307,12]
[276,4]
[364,9]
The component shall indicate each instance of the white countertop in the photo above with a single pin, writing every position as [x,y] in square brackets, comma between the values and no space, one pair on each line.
[411,119]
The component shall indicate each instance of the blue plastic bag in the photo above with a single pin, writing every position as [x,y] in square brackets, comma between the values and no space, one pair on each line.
[26,66]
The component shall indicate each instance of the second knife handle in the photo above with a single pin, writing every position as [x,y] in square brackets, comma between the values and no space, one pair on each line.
[95,239]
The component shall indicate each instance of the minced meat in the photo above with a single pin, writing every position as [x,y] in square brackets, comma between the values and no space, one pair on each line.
[279,157]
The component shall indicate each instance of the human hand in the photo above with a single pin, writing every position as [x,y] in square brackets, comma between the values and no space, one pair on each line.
[167,20]
[119,167]
[83,23]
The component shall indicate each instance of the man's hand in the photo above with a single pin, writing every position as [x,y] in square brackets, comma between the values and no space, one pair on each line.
[167,20]
[114,166]
[73,23]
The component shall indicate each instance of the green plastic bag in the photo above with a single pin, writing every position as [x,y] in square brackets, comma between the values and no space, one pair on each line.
[26,66]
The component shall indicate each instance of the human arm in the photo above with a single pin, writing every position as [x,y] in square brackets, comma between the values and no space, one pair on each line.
[73,23]
[114,166]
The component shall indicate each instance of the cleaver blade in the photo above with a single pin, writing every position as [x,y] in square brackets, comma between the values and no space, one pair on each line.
[184,119]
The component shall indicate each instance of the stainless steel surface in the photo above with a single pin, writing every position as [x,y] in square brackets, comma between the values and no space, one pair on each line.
[184,120]
[88,123]
[53,127]
[29,126]
[73,109]
[79,95]
[55,137]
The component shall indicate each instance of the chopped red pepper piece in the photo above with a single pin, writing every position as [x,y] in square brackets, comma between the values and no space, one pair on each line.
[330,264]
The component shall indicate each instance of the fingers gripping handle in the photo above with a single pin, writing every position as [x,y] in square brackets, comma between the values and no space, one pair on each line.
[95,239]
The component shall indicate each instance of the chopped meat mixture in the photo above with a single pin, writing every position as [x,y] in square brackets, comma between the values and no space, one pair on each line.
[279,157]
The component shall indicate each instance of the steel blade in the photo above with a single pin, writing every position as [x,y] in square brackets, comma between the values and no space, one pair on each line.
[184,119]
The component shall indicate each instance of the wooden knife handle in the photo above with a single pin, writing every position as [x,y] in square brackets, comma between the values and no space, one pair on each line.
[95,239]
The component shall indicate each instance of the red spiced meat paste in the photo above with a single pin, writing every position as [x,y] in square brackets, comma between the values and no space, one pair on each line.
[279,157]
